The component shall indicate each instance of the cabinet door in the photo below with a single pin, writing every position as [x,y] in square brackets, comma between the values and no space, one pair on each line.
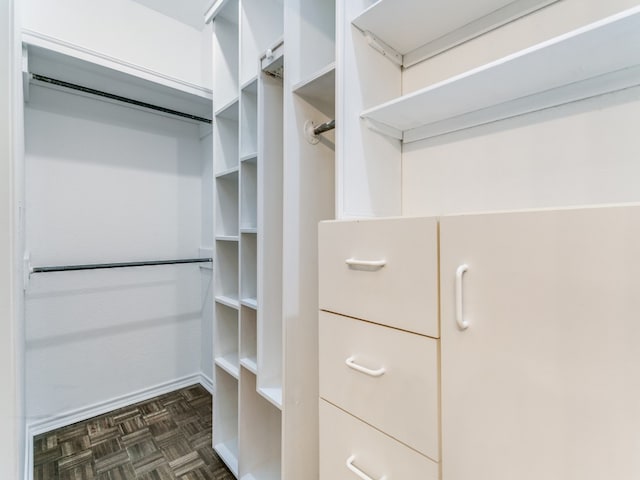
[545,381]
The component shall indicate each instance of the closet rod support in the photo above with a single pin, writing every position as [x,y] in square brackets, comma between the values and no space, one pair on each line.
[118,98]
[311,130]
[97,266]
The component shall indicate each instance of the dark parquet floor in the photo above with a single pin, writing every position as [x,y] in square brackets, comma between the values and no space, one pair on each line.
[166,438]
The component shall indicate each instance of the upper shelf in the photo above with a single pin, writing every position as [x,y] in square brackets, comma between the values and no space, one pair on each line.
[80,68]
[412,31]
[599,58]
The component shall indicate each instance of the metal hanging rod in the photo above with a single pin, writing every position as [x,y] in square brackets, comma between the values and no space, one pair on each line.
[324,127]
[111,96]
[97,266]
[311,130]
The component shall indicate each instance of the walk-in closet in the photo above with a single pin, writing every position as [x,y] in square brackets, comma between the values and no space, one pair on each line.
[320,239]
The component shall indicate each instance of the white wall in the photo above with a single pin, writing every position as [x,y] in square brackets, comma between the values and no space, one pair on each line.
[11,408]
[109,183]
[584,153]
[127,31]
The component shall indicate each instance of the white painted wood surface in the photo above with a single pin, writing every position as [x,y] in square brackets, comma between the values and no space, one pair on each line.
[545,378]
[403,401]
[378,455]
[368,166]
[403,293]
[592,60]
[419,30]
[127,34]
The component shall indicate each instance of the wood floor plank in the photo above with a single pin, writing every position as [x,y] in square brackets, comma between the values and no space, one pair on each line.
[165,438]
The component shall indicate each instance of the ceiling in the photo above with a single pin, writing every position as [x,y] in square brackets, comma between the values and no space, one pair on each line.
[190,12]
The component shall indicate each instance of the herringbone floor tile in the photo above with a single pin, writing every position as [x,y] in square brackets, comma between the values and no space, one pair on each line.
[165,438]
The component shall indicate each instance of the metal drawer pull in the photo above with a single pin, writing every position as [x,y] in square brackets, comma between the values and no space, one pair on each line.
[367,371]
[359,472]
[370,264]
[463,324]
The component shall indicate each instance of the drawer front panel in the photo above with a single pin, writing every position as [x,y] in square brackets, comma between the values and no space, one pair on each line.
[383,271]
[386,377]
[344,438]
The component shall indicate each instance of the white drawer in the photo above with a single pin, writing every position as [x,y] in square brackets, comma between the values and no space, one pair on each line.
[399,392]
[403,293]
[344,438]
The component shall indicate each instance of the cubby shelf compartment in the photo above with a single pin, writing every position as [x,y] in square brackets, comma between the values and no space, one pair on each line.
[226,273]
[260,433]
[248,339]
[226,419]
[227,196]
[226,138]
[227,339]
[599,58]
[225,52]
[249,119]
[420,30]
[262,22]
[249,195]
[248,268]
[320,89]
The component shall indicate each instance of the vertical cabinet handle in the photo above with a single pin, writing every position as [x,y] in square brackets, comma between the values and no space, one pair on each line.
[359,472]
[463,324]
[367,371]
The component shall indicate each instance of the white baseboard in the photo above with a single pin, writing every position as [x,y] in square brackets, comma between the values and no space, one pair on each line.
[90,411]
[206,382]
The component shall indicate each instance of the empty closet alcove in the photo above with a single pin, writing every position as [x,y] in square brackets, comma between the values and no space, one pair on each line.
[110,181]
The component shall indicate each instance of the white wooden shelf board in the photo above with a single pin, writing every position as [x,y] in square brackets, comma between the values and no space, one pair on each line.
[249,230]
[418,30]
[229,110]
[250,85]
[250,302]
[599,58]
[230,364]
[227,238]
[230,172]
[250,364]
[249,157]
[228,453]
[272,394]
[320,88]
[228,301]
[63,62]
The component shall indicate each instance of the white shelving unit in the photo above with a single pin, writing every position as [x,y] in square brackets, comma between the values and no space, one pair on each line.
[420,30]
[248,178]
[282,76]
[599,58]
